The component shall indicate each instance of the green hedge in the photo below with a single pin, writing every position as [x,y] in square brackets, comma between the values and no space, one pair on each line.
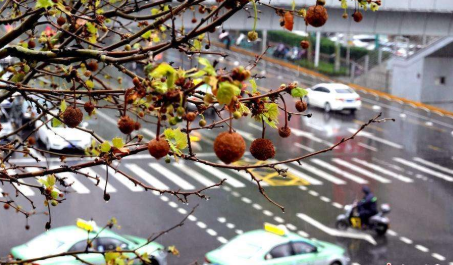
[324,68]
[327,46]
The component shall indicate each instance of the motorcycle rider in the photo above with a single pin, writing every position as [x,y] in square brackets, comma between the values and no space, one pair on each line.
[367,207]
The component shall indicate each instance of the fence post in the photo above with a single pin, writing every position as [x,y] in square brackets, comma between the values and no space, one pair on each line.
[379,55]
[352,72]
[318,48]
[367,63]
[264,41]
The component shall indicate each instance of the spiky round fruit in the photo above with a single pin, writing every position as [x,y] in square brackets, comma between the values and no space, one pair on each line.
[229,147]
[137,126]
[61,21]
[88,107]
[31,44]
[357,16]
[92,66]
[202,123]
[252,35]
[317,16]
[158,148]
[304,44]
[284,132]
[262,149]
[237,115]
[321,2]
[190,116]
[31,140]
[301,106]
[6,206]
[72,117]
[126,125]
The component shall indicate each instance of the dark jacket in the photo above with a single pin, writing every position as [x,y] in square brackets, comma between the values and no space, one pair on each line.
[368,205]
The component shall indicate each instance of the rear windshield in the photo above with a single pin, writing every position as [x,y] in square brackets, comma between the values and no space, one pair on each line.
[344,90]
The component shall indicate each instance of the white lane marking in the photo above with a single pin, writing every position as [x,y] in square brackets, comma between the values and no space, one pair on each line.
[236,194]
[268,213]
[173,204]
[303,234]
[221,175]
[1,191]
[391,232]
[211,232]
[192,218]
[336,204]
[369,147]
[321,173]
[423,169]
[221,219]
[247,177]
[314,193]
[291,227]
[422,248]
[436,166]
[194,174]
[164,198]
[226,188]
[278,219]
[339,171]
[310,136]
[323,198]
[36,154]
[230,225]
[406,240]
[182,183]
[334,232]
[383,170]
[77,186]
[360,170]
[222,240]
[27,191]
[306,148]
[246,200]
[438,256]
[303,188]
[148,132]
[89,171]
[239,232]
[201,225]
[375,138]
[182,211]
[153,181]
[257,206]
[304,176]
[125,181]
[316,127]
[246,135]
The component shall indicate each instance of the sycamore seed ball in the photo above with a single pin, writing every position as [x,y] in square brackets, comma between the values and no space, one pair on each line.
[158,148]
[72,117]
[262,149]
[126,125]
[317,16]
[229,147]
[301,106]
[284,132]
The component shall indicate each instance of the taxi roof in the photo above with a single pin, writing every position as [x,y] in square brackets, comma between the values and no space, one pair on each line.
[265,239]
[68,234]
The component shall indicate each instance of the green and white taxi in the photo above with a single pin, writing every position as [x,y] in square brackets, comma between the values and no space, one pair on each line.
[74,239]
[275,245]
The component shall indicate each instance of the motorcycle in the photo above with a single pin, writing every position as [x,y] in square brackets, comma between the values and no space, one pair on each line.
[378,223]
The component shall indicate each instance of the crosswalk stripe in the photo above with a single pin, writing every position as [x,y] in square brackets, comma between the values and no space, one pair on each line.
[125,181]
[423,169]
[383,170]
[153,181]
[221,175]
[27,191]
[306,148]
[321,173]
[172,176]
[436,166]
[89,171]
[194,174]
[361,170]
[246,176]
[339,171]
[306,177]
[77,186]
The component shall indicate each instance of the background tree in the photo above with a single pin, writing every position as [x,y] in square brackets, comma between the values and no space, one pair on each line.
[62,52]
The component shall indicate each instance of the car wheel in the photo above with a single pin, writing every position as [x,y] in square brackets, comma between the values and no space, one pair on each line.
[352,111]
[341,225]
[153,262]
[335,263]
[327,107]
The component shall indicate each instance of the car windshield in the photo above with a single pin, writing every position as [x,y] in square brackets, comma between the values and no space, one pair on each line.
[344,91]
[44,244]
[3,118]
[241,249]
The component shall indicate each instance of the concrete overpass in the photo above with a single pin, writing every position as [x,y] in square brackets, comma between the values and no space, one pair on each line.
[395,17]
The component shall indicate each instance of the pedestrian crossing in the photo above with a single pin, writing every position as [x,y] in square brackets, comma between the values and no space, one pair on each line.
[189,176]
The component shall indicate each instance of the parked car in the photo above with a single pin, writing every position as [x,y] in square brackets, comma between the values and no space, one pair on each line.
[74,238]
[203,89]
[61,137]
[5,122]
[334,96]
[276,246]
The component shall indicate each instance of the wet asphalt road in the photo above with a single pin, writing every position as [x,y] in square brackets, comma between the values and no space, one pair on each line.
[407,163]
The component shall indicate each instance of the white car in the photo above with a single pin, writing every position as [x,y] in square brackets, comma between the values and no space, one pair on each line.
[62,137]
[334,96]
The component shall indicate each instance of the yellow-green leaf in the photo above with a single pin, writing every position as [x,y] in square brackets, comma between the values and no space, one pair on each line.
[181,139]
[226,92]
[51,180]
[298,92]
[63,105]
[117,142]
[105,147]
[56,122]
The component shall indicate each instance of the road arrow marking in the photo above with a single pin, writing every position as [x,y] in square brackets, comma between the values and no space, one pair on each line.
[377,139]
[335,232]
